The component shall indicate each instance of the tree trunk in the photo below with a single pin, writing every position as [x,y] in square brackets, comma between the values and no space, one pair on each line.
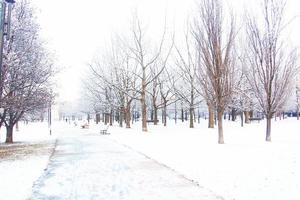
[88,118]
[133,117]
[268,131]
[9,134]
[127,115]
[251,114]
[242,118]
[198,116]
[210,117]
[151,114]
[186,116]
[279,116]
[247,117]
[233,114]
[121,115]
[191,117]
[144,114]
[111,118]
[165,113]
[143,101]
[220,128]
[42,117]
[175,117]
[97,118]
[182,115]
[106,118]
[297,113]
[155,115]
[216,118]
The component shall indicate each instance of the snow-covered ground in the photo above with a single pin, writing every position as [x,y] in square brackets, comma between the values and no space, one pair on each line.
[246,167]
[23,162]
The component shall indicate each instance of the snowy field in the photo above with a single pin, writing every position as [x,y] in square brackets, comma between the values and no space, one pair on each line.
[23,162]
[245,168]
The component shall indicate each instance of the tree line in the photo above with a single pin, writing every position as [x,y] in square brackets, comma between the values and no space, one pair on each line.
[219,64]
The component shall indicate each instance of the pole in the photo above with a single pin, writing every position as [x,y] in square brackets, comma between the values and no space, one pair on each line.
[176,111]
[2,24]
[49,119]
[8,22]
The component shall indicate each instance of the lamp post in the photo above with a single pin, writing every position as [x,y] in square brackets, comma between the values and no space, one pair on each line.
[50,119]
[4,24]
[4,31]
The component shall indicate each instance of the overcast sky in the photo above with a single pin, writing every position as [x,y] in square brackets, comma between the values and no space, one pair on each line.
[77,30]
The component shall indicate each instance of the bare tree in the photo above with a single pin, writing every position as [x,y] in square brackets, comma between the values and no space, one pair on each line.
[272,65]
[186,63]
[167,92]
[146,61]
[216,60]
[125,86]
[112,82]
[154,92]
[27,69]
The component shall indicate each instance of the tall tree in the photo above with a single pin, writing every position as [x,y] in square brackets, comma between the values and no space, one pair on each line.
[216,62]
[146,60]
[272,65]
[27,69]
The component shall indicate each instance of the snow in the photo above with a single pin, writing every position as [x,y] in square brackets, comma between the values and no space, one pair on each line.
[91,166]
[165,163]
[19,170]
[246,167]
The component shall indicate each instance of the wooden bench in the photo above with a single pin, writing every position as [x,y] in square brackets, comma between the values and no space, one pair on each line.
[255,119]
[104,131]
[152,121]
[85,126]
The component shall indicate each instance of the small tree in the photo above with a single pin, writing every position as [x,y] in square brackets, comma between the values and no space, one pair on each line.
[167,93]
[189,92]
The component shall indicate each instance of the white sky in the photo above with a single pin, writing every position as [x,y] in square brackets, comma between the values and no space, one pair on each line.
[77,29]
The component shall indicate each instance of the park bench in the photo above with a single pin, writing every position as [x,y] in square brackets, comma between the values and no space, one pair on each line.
[103,130]
[255,119]
[152,121]
[85,126]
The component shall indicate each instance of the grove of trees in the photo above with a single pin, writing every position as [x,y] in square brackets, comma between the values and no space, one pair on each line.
[212,67]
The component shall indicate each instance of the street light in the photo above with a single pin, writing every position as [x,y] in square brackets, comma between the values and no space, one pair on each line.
[4,30]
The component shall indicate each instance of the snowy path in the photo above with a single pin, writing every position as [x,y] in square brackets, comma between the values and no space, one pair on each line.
[89,166]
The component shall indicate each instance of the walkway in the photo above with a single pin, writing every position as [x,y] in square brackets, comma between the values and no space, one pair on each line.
[90,166]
